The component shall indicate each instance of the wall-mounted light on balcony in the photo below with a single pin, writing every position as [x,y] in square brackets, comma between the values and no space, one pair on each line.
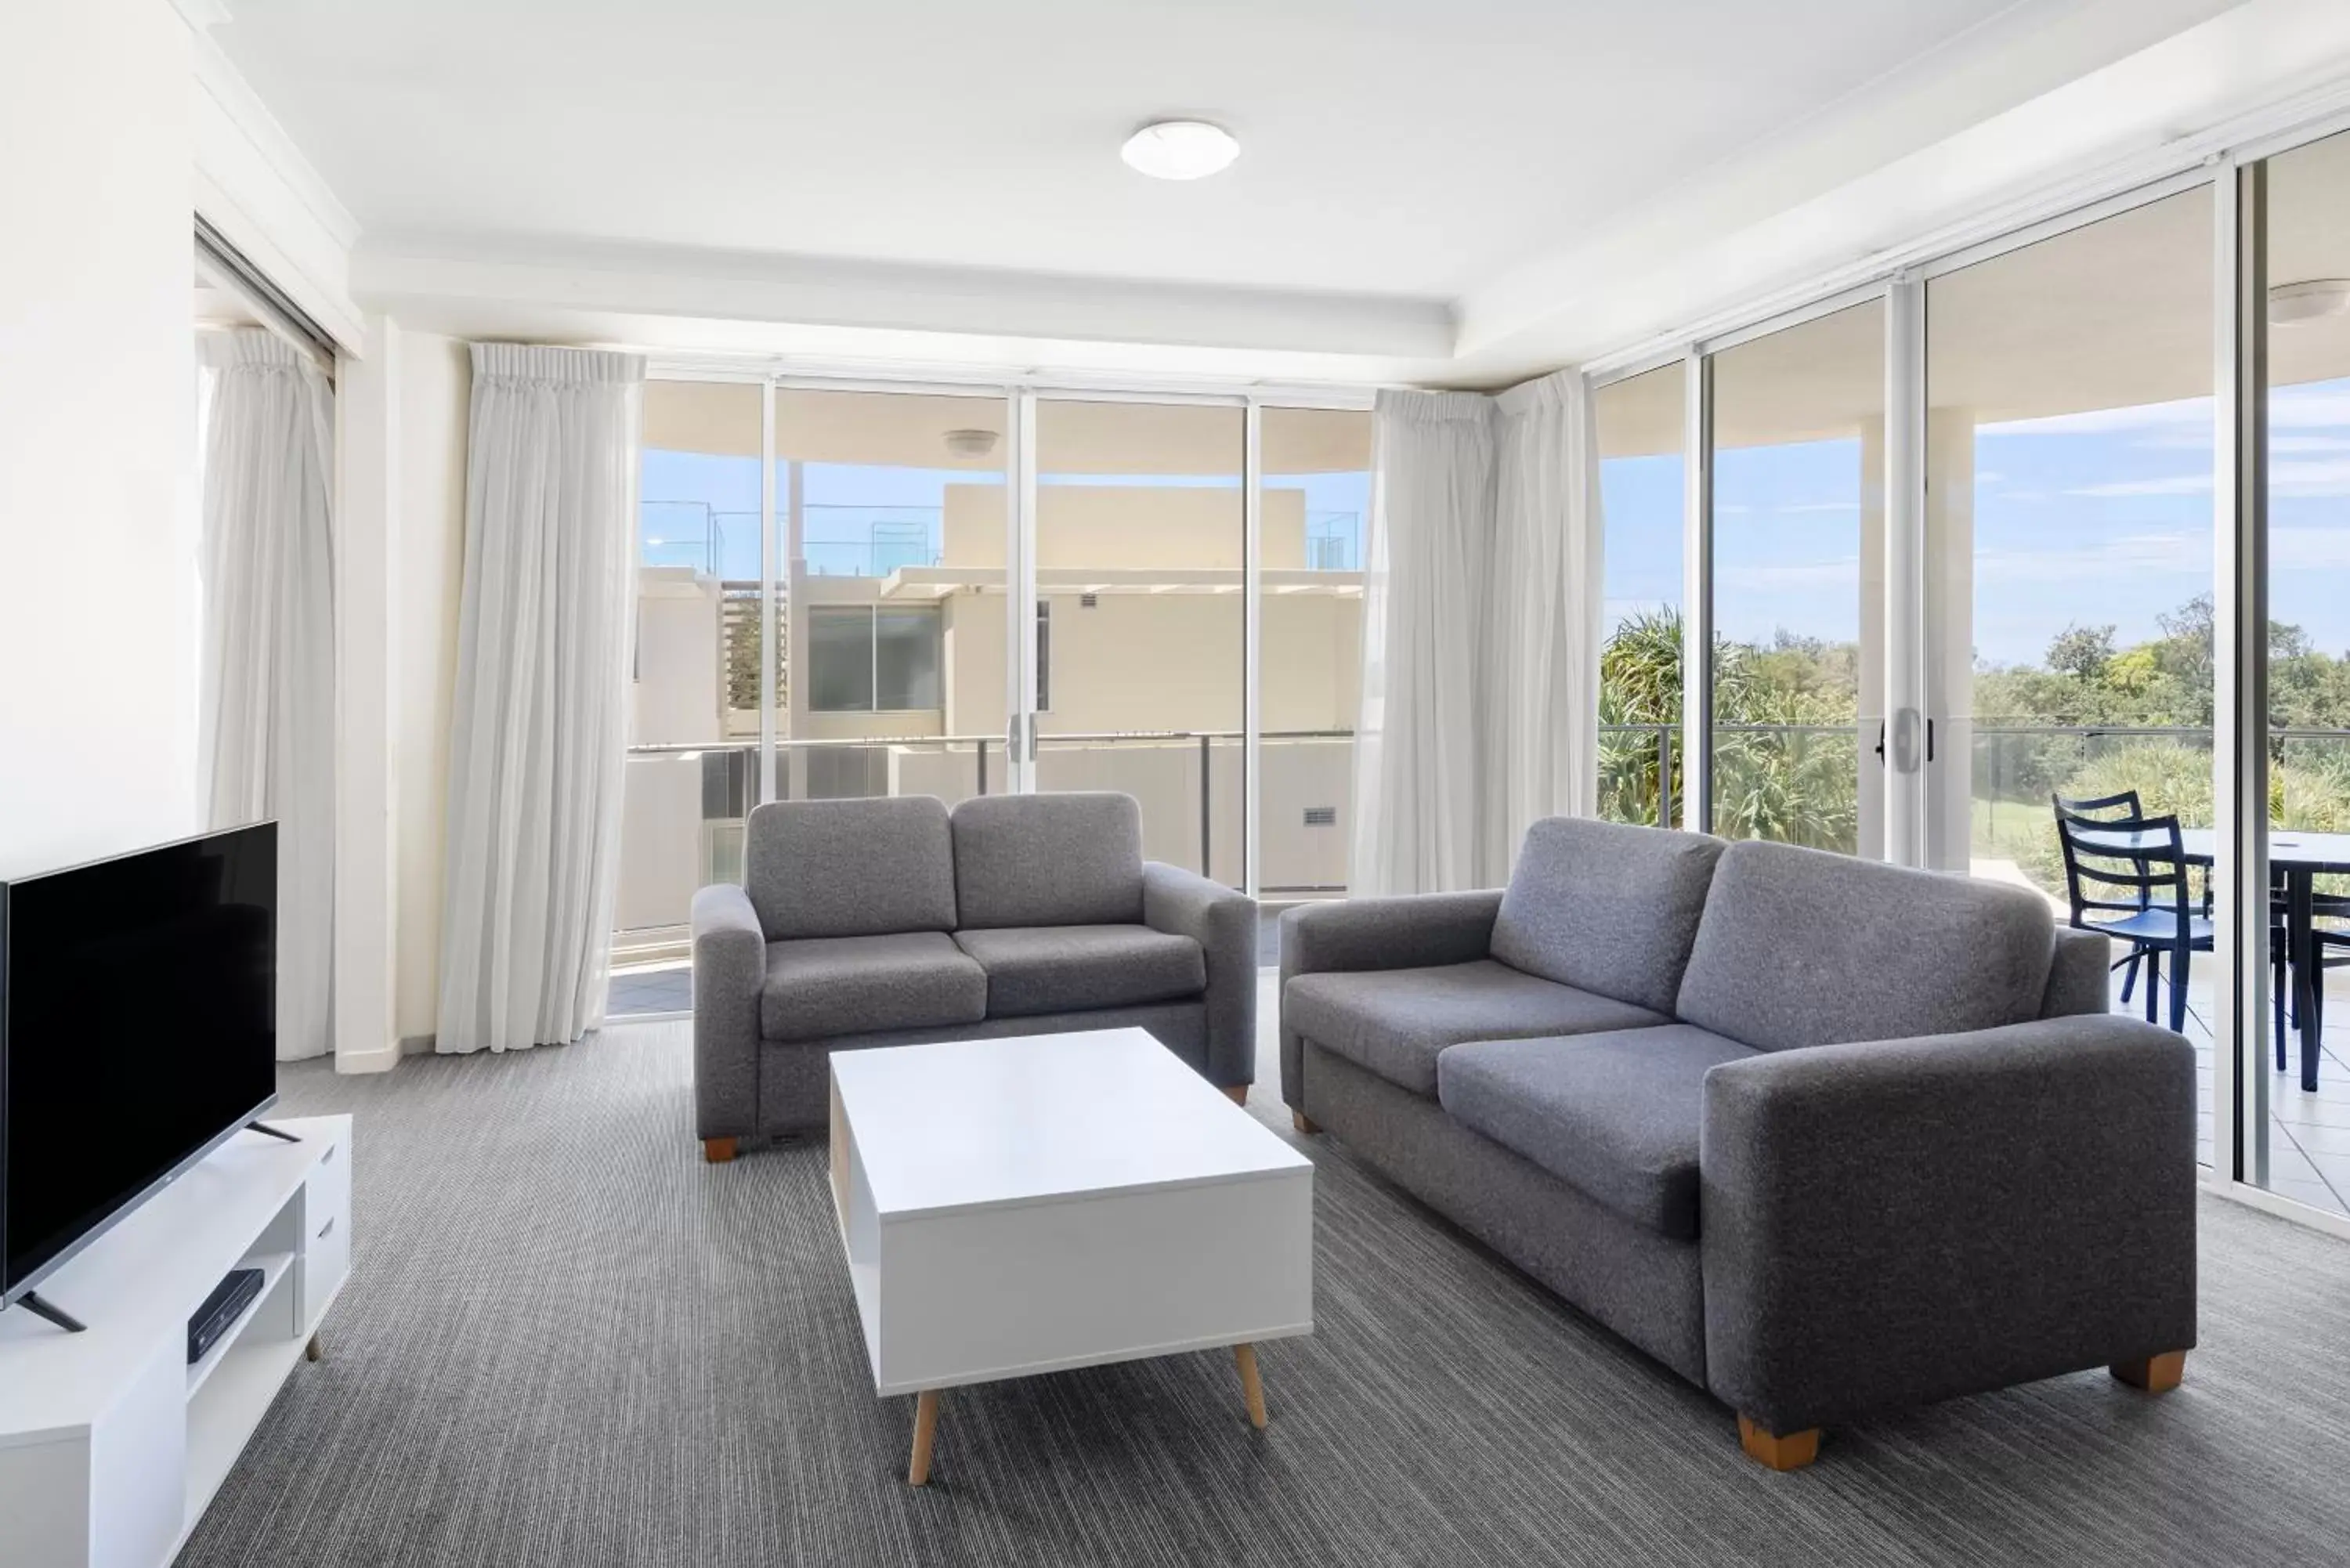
[2290,303]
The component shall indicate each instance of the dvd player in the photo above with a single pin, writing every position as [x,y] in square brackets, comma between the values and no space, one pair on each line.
[221,1310]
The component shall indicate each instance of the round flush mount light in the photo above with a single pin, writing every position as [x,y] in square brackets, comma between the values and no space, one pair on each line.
[1180,150]
[2293,303]
[971,444]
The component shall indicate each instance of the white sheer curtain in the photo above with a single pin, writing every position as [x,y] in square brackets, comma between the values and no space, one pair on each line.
[537,745]
[1542,619]
[267,716]
[1416,738]
[1480,642]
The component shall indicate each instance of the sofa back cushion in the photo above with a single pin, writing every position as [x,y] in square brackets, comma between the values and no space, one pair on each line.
[1800,947]
[1606,908]
[850,868]
[1069,859]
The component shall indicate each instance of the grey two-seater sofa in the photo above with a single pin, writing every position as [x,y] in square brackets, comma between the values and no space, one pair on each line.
[1824,1136]
[895,921]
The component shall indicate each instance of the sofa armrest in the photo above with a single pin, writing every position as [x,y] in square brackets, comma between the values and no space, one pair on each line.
[1410,931]
[1898,1221]
[1223,923]
[2080,975]
[730,967]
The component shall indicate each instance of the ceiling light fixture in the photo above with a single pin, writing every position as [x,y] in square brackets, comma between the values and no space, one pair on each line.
[1180,150]
[2290,304]
[971,444]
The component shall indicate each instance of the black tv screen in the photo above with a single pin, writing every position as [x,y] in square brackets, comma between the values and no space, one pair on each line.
[138,1029]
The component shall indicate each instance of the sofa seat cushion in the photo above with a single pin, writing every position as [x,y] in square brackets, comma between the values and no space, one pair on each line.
[1614,1116]
[821,987]
[1395,1021]
[1073,968]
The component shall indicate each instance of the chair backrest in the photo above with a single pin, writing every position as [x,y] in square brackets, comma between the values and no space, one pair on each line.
[2123,807]
[1606,908]
[1800,947]
[1067,859]
[850,868]
[2124,867]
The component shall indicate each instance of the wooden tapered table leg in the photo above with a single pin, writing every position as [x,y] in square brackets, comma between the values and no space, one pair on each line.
[2156,1374]
[1251,1387]
[926,1427]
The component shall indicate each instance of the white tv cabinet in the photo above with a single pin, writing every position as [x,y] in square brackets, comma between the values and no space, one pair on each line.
[110,1444]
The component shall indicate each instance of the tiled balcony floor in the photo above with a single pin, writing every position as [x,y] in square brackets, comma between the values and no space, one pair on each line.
[2309,1134]
[641,988]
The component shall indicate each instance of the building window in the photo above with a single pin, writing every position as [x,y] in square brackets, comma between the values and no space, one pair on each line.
[864,659]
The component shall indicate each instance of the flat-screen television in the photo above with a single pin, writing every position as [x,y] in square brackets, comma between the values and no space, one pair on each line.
[138,1032]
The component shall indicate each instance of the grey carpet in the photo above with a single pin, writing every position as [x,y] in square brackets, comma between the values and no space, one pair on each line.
[568,1342]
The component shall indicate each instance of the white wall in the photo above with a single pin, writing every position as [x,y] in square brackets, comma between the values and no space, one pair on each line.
[428,555]
[98,719]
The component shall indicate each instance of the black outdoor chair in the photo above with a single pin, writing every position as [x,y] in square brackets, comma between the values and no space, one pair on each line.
[2140,895]
[2135,894]
[2125,811]
[2118,809]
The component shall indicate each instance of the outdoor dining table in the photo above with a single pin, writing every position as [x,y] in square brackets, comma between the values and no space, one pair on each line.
[2302,859]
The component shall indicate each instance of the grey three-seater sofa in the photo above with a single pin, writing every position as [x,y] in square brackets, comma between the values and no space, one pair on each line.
[893,922]
[1824,1136]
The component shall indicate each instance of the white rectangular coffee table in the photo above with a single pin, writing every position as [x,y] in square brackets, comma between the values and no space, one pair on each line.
[1026,1205]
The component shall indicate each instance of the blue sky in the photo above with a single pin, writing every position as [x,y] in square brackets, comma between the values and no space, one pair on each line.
[2093,519]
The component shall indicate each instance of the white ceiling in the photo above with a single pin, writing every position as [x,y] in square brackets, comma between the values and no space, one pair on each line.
[1463,192]
[1389,146]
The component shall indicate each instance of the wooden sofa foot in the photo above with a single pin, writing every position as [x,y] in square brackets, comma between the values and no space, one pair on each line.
[1236,1093]
[2155,1373]
[1304,1122]
[717,1150]
[1781,1451]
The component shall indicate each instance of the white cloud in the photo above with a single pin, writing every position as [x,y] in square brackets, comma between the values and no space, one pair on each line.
[2292,408]
[2304,549]
[2183,550]
[2331,478]
[2165,485]
[1767,578]
[2109,421]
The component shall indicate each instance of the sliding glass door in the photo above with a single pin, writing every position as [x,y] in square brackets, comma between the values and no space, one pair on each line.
[2298,1137]
[2068,521]
[1139,558]
[1797,531]
[1643,465]
[892,515]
